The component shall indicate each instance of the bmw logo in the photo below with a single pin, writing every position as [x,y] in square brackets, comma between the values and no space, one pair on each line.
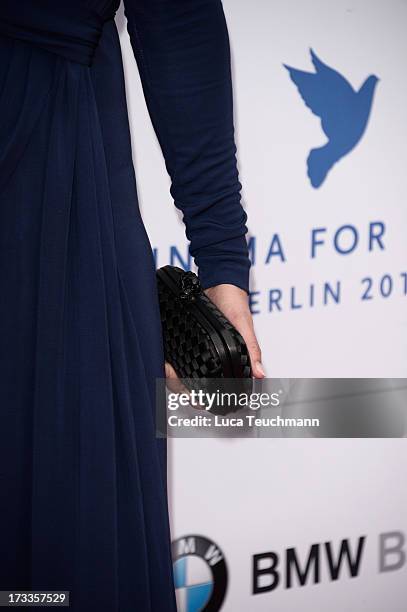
[200,574]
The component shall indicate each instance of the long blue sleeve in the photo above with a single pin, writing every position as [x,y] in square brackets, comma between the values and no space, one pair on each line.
[183,56]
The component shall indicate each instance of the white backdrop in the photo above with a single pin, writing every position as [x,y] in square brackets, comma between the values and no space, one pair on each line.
[256,496]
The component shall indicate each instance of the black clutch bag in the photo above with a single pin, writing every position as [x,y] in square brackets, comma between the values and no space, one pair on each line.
[199,341]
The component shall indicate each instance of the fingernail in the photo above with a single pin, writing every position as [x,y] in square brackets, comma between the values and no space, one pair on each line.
[260,368]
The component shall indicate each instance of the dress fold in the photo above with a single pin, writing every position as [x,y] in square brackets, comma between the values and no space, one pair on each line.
[77,392]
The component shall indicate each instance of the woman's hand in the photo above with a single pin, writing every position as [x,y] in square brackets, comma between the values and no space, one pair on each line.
[234,304]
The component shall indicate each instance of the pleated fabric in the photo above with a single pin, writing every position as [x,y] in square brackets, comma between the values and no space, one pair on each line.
[83,502]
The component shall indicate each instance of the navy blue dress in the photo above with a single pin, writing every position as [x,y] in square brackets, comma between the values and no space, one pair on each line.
[83,503]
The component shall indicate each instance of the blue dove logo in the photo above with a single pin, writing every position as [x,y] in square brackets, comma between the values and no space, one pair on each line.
[344,113]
